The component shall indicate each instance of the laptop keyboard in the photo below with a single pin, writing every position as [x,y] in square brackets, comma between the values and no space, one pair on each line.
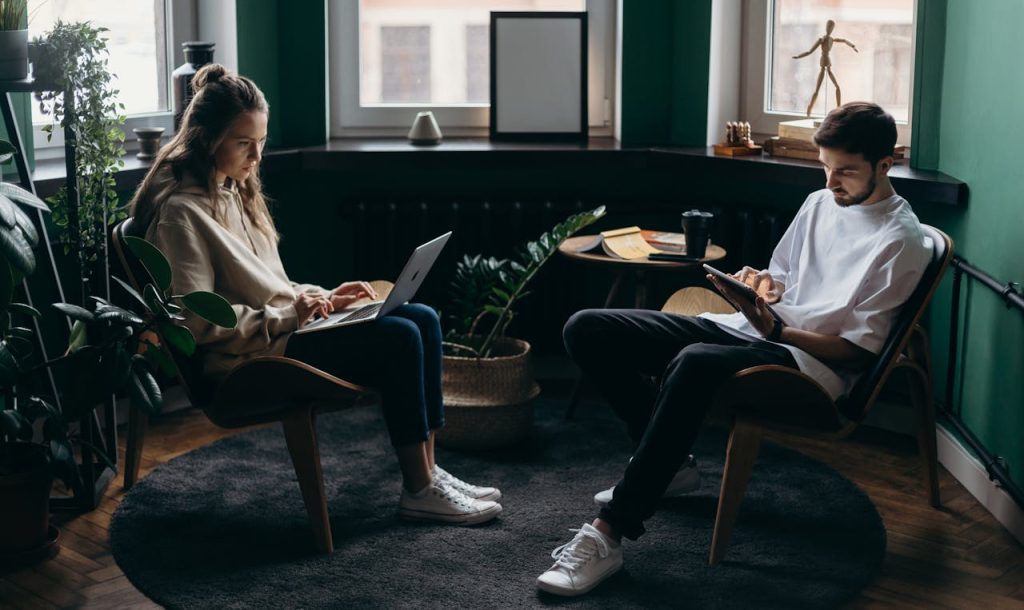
[365,312]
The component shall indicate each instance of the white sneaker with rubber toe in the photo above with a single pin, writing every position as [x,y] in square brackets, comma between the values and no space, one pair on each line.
[440,503]
[582,563]
[686,479]
[476,492]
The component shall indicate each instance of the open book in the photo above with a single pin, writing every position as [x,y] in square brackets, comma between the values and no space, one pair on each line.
[627,243]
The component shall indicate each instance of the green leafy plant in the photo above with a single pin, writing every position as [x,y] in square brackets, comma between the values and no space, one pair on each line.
[72,59]
[111,349]
[11,14]
[485,291]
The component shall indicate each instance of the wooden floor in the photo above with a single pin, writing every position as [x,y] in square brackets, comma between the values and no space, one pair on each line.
[957,557]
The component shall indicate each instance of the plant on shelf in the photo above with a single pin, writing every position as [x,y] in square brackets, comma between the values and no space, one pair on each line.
[72,59]
[485,291]
[13,40]
[12,13]
[111,349]
[486,378]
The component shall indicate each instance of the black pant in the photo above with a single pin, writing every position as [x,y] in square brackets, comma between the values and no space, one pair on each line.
[398,354]
[620,350]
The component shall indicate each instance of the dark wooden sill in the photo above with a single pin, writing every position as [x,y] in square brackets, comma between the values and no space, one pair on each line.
[918,186]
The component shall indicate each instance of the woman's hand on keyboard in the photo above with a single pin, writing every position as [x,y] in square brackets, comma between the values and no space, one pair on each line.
[350,292]
[308,305]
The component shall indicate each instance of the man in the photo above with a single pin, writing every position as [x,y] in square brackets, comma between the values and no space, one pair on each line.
[852,256]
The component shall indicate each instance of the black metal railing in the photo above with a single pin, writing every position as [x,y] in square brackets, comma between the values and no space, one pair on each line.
[1013,299]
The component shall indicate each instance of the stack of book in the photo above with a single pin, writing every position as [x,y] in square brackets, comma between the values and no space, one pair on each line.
[796,140]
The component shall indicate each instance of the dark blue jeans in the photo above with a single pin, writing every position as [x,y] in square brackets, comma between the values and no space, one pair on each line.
[620,350]
[398,354]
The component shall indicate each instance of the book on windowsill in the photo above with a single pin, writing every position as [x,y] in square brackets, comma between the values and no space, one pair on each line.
[800,129]
[626,243]
[801,149]
[789,147]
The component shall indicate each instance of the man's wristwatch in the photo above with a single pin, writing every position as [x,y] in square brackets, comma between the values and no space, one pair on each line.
[776,334]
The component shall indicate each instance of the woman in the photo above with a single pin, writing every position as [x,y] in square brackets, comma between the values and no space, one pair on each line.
[201,204]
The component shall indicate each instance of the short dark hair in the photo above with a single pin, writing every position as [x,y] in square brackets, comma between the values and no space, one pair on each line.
[859,127]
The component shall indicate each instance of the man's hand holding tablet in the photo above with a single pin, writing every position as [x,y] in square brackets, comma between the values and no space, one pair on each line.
[747,301]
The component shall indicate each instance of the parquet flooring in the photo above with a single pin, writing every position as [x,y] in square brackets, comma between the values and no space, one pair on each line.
[956,557]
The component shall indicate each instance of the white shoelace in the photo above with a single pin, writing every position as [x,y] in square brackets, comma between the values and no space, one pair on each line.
[454,495]
[580,550]
[453,481]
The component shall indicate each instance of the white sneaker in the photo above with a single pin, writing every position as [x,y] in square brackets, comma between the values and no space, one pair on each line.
[686,479]
[440,503]
[582,563]
[473,491]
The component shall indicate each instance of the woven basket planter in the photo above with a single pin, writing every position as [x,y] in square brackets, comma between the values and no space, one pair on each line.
[488,401]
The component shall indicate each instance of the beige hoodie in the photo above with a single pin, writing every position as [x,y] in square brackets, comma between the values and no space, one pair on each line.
[236,261]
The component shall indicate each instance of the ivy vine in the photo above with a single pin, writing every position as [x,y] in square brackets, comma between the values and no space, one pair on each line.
[72,58]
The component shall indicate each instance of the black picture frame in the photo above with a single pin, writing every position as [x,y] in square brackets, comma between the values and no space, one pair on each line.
[520,113]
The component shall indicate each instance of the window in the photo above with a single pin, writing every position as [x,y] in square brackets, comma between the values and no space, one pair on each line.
[141,45]
[778,87]
[390,59]
[478,64]
[404,67]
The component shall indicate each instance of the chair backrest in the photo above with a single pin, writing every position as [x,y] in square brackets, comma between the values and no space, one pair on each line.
[865,391]
[200,390]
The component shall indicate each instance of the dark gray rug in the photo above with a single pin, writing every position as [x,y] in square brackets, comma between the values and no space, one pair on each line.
[224,527]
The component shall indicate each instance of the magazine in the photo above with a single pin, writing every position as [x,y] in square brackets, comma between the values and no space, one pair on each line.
[665,241]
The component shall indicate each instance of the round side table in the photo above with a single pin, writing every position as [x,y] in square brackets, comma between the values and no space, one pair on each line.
[640,267]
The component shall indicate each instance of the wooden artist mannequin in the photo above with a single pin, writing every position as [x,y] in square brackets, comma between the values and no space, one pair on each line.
[826,42]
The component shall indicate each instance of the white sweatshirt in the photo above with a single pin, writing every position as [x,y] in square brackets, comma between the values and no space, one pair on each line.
[847,272]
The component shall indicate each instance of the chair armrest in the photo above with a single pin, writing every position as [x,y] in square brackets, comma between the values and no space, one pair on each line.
[262,388]
[780,394]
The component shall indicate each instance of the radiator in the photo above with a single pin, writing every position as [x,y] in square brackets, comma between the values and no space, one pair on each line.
[386,232]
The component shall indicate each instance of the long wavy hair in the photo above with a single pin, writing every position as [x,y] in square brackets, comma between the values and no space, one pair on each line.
[220,97]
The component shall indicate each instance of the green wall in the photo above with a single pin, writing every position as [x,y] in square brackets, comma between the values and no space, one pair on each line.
[666,46]
[282,46]
[979,130]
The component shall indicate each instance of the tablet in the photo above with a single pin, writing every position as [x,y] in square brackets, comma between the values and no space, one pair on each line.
[739,286]
[734,283]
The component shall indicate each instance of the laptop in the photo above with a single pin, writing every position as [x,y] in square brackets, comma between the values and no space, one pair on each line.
[405,288]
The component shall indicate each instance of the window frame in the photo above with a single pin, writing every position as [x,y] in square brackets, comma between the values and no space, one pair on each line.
[348,118]
[755,73]
[180,17]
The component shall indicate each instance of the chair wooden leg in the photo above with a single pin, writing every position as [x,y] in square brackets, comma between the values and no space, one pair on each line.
[740,455]
[924,404]
[137,423]
[300,434]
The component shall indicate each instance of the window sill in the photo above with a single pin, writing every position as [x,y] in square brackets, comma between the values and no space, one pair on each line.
[921,187]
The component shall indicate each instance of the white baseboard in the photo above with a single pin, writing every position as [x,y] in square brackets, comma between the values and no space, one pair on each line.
[960,462]
[968,470]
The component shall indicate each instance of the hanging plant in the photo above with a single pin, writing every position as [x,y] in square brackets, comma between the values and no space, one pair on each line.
[72,58]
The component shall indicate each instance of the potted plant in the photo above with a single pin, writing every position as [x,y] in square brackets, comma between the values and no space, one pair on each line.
[13,40]
[111,349]
[486,378]
[72,60]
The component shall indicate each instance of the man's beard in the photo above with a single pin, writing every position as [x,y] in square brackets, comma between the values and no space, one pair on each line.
[859,198]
